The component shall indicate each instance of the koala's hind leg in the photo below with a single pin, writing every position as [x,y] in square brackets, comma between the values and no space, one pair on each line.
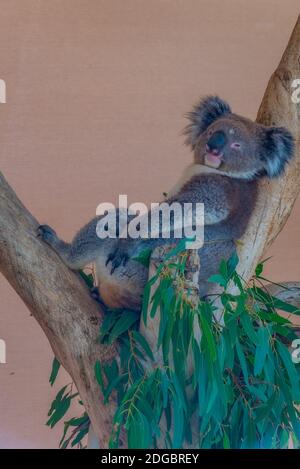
[84,249]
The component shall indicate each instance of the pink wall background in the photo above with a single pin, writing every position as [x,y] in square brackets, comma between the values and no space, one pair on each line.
[96,93]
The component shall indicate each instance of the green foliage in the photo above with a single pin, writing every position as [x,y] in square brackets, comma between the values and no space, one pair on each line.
[79,428]
[54,371]
[243,388]
[234,384]
[144,257]
[60,405]
[75,428]
[88,278]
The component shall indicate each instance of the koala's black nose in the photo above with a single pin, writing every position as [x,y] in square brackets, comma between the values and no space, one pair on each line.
[216,142]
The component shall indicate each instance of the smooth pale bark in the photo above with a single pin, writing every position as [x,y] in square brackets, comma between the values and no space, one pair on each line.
[59,300]
[277,197]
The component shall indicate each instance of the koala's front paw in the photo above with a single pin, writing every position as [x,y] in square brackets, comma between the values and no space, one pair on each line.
[47,234]
[117,258]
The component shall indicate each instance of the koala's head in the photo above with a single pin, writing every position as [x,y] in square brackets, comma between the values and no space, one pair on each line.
[236,145]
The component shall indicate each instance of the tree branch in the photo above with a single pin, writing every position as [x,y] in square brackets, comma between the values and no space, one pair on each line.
[276,198]
[60,302]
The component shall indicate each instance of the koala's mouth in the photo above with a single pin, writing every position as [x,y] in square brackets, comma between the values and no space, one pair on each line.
[213,160]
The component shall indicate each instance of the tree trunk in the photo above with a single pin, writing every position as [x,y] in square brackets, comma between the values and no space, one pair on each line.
[59,300]
[277,197]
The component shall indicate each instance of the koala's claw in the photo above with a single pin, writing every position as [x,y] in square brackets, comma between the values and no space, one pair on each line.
[117,258]
[46,233]
[109,258]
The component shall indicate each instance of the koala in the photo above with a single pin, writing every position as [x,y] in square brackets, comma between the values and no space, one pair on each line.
[231,153]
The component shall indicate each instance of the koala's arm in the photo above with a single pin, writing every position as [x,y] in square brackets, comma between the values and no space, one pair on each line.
[215,192]
[84,248]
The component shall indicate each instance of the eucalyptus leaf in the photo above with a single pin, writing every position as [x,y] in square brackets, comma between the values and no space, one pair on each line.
[54,371]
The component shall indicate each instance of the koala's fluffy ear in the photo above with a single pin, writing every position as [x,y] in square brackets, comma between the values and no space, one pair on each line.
[202,116]
[278,149]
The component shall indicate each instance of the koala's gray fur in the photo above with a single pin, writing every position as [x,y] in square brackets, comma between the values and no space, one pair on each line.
[230,154]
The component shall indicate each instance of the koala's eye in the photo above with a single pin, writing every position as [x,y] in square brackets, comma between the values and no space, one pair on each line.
[235,145]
